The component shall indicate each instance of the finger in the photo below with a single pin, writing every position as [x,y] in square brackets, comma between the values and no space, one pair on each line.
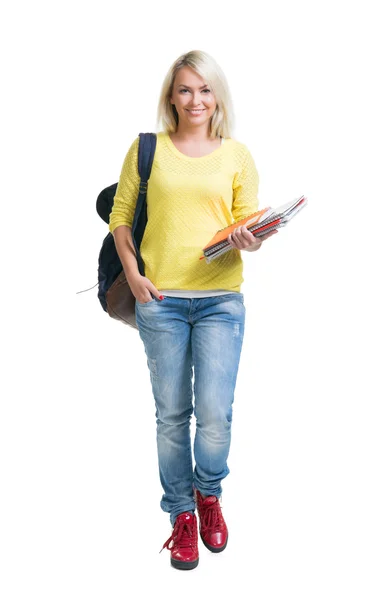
[157,293]
[238,238]
[231,240]
[249,237]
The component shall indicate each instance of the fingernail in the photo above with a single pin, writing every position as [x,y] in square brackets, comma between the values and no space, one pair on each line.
[161,297]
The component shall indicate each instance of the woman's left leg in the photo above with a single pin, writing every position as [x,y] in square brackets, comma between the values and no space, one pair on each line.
[217,337]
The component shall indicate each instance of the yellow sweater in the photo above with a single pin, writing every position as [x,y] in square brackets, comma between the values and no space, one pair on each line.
[188,200]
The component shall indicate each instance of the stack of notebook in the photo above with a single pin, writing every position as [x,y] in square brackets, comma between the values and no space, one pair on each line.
[258,223]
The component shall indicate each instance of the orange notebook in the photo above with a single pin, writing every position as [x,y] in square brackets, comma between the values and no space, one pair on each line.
[222,234]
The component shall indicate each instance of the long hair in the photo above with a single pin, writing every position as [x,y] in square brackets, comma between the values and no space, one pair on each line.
[222,121]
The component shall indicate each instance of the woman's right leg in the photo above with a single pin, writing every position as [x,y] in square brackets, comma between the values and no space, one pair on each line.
[166,334]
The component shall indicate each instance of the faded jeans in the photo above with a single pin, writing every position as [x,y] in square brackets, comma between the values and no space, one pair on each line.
[186,337]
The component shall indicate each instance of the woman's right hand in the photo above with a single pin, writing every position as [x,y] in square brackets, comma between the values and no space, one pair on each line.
[143,289]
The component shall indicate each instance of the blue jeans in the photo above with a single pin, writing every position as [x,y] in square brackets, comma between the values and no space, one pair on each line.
[182,337]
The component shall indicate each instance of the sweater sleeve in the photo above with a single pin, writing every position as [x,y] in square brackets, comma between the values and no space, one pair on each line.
[126,195]
[245,189]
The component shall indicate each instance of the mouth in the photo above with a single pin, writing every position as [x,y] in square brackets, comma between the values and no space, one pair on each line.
[195,111]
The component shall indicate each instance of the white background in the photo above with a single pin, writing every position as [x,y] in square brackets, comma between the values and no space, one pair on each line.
[308,494]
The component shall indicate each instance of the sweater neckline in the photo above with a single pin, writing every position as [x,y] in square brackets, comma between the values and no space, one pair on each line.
[176,151]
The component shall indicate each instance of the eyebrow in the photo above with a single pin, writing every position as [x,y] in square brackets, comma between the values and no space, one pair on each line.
[189,87]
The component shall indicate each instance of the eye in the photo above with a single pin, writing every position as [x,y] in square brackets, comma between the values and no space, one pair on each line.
[185,90]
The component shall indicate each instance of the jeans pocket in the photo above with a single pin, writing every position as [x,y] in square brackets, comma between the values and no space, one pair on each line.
[145,303]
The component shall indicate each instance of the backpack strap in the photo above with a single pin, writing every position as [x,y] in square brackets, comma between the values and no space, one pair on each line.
[146,151]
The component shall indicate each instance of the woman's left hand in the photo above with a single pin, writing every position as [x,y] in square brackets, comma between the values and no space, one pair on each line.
[243,239]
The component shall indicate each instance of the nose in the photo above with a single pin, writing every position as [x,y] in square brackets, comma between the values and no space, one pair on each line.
[197,99]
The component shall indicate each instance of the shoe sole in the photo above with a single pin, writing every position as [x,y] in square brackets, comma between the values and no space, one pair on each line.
[213,548]
[184,566]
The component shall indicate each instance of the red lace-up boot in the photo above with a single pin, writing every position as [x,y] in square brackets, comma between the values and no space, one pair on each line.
[183,542]
[213,529]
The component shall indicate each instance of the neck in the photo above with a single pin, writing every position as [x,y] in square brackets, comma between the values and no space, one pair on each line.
[193,134]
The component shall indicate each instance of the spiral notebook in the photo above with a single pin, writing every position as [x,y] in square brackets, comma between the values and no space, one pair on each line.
[258,223]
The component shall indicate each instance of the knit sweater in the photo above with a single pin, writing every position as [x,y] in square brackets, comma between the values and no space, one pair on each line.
[188,200]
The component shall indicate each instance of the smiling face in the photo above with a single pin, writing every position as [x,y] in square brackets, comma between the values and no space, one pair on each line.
[194,101]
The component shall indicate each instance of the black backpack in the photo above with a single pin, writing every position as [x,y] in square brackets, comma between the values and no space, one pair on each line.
[109,264]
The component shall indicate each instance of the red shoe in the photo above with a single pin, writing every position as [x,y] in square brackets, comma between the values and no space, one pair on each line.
[183,542]
[213,529]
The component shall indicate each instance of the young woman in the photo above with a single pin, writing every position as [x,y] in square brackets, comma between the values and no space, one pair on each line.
[190,314]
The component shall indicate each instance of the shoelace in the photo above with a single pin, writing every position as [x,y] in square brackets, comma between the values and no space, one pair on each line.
[212,517]
[182,536]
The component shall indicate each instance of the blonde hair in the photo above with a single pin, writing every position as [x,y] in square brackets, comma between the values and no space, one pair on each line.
[222,121]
